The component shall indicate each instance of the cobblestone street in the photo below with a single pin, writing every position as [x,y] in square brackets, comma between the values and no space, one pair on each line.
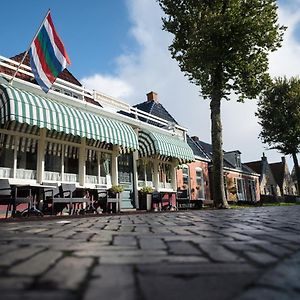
[234,254]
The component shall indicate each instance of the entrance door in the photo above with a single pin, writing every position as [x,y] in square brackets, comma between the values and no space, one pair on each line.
[125,175]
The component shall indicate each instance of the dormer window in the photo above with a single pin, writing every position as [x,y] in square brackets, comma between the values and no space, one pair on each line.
[238,160]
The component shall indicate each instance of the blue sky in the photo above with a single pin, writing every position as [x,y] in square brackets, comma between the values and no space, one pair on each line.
[117,47]
[94,32]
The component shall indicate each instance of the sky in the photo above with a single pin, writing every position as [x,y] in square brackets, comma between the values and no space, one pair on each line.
[118,47]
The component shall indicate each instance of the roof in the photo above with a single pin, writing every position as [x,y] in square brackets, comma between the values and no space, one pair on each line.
[208,150]
[156,109]
[256,166]
[196,148]
[278,172]
[64,75]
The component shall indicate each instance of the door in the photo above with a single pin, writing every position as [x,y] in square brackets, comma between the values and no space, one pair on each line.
[125,175]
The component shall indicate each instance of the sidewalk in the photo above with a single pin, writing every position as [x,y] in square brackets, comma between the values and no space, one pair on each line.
[229,254]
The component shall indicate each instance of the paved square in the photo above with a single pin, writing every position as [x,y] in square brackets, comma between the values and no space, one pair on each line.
[207,254]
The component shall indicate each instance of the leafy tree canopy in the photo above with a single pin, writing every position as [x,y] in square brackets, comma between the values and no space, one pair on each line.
[229,37]
[279,114]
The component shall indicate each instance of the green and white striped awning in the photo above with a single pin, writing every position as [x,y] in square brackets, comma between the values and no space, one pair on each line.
[25,107]
[164,146]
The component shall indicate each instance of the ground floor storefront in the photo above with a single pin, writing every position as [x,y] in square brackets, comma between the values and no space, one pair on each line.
[46,142]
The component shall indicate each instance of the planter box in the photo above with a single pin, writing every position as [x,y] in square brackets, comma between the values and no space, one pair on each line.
[145,201]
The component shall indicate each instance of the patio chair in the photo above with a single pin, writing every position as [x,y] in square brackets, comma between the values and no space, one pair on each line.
[9,197]
[98,200]
[67,196]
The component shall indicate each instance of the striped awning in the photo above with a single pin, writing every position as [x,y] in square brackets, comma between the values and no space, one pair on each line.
[25,107]
[164,146]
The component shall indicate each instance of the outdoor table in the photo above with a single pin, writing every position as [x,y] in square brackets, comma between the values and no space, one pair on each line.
[34,190]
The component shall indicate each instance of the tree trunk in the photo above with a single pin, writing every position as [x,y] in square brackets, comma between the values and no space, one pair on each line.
[217,161]
[297,171]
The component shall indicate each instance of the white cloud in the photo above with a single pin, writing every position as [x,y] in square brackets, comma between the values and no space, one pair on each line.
[110,85]
[152,68]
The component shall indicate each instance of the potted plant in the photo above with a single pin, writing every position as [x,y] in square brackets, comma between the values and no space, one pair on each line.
[145,197]
[115,190]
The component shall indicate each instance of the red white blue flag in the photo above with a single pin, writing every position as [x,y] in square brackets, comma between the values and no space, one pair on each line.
[48,56]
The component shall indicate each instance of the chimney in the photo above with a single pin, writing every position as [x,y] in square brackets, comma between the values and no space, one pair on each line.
[283,159]
[264,157]
[152,96]
[195,138]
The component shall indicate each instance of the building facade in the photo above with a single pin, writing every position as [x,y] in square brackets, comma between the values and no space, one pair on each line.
[84,137]
[267,183]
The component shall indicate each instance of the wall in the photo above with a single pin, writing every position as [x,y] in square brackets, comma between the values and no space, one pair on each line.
[192,179]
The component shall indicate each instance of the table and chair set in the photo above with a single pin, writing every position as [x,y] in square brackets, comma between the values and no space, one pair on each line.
[53,199]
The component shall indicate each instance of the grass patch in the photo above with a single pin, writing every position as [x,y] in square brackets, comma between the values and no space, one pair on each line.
[238,206]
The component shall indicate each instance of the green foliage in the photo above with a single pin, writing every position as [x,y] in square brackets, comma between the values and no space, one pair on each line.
[279,114]
[223,43]
[147,190]
[116,188]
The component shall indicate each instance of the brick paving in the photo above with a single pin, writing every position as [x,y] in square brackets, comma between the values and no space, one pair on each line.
[245,254]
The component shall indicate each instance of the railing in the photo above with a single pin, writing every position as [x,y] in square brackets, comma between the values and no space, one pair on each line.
[6,172]
[94,179]
[52,176]
[25,174]
[109,103]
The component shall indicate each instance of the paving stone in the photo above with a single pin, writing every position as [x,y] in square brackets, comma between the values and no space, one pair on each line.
[192,287]
[37,295]
[152,243]
[112,282]
[125,241]
[259,293]
[37,264]
[12,283]
[205,254]
[220,254]
[183,248]
[68,273]
[17,255]
[261,258]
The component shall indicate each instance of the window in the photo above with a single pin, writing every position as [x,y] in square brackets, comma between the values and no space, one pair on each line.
[98,166]
[185,175]
[238,160]
[145,169]
[240,189]
[165,175]
[6,157]
[200,184]
[252,189]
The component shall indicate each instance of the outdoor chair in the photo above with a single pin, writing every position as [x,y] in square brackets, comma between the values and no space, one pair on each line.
[100,200]
[67,196]
[9,197]
[48,195]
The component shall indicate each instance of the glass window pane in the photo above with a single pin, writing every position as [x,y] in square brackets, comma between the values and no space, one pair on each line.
[6,157]
[52,163]
[105,164]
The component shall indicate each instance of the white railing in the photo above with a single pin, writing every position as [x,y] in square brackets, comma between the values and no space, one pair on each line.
[52,176]
[6,172]
[105,100]
[25,174]
[69,177]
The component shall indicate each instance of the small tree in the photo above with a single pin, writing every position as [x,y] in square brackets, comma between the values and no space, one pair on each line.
[223,46]
[279,114]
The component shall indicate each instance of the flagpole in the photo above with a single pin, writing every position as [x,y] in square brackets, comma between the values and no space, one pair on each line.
[37,32]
